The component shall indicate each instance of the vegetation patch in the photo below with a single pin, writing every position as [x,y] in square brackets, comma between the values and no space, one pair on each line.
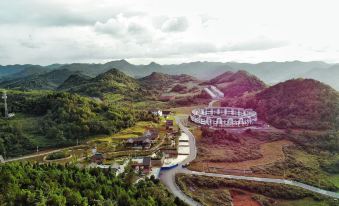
[264,193]
[58,155]
[51,184]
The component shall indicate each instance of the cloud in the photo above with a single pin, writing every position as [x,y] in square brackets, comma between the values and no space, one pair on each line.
[260,43]
[126,29]
[175,24]
[63,31]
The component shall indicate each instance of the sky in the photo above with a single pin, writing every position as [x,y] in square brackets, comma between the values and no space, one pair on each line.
[172,31]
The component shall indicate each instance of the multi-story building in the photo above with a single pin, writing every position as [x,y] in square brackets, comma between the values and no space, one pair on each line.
[224,116]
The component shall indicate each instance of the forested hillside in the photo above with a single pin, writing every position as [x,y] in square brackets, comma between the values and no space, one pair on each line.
[46,81]
[298,103]
[59,119]
[56,185]
[112,81]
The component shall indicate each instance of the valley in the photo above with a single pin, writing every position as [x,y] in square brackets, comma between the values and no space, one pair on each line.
[108,120]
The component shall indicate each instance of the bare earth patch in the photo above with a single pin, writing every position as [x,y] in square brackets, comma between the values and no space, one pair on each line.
[242,199]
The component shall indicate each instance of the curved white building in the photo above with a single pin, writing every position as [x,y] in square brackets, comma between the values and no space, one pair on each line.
[224,116]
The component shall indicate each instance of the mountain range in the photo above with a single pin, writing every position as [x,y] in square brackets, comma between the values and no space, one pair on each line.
[270,72]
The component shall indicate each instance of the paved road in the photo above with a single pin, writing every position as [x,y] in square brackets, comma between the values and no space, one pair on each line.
[168,176]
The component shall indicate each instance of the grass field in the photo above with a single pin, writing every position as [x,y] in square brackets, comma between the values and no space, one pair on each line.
[271,152]
[29,125]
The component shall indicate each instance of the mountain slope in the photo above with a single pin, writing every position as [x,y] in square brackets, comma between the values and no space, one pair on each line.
[328,75]
[112,81]
[157,79]
[50,80]
[297,103]
[269,72]
[73,81]
[236,84]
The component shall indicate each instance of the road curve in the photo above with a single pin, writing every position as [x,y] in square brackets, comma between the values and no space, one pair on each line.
[168,176]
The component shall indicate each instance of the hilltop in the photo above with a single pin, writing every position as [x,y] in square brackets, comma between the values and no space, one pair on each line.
[234,84]
[112,81]
[73,81]
[157,79]
[296,103]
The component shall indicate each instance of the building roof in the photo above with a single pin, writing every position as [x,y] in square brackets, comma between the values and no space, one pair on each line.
[98,155]
[146,161]
[166,112]
[143,161]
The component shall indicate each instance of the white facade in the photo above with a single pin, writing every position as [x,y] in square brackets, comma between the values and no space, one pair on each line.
[224,116]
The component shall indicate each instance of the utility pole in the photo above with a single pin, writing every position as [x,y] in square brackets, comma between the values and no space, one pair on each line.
[4,97]
[37,149]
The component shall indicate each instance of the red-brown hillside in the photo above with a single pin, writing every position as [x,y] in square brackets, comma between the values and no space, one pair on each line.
[236,84]
[297,103]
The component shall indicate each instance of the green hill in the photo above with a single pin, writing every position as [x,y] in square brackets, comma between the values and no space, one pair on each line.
[46,81]
[73,81]
[112,81]
[234,84]
[50,119]
[158,80]
[297,103]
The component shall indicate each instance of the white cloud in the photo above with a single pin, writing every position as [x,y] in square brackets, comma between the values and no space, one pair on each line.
[95,31]
[176,24]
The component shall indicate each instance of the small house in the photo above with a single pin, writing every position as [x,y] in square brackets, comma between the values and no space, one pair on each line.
[98,158]
[143,164]
[169,125]
[156,112]
[143,142]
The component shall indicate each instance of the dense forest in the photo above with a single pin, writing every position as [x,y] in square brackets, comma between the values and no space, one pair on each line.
[57,185]
[61,119]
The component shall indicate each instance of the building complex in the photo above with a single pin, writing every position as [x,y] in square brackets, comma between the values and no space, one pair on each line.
[224,116]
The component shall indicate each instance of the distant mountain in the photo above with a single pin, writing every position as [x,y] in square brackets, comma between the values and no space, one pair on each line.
[49,80]
[329,75]
[20,71]
[274,72]
[234,84]
[297,103]
[270,72]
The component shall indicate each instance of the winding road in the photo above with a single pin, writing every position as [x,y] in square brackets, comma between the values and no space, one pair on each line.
[168,176]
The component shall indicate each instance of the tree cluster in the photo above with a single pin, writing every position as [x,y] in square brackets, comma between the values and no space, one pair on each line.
[56,185]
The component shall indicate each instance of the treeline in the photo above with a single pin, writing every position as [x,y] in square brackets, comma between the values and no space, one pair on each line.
[56,185]
[65,118]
